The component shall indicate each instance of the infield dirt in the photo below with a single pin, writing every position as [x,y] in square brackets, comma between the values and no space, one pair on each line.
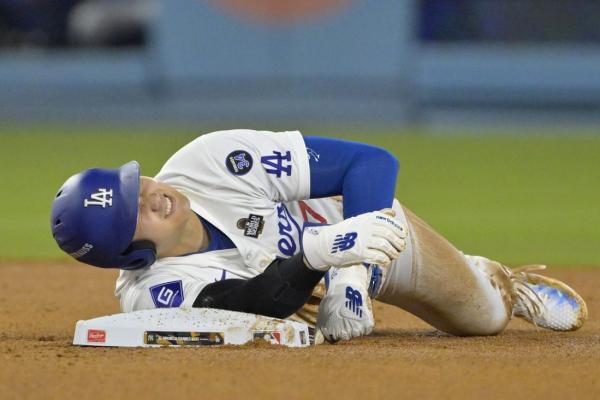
[404,358]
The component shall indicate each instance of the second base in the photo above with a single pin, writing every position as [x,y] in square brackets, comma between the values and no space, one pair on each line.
[189,327]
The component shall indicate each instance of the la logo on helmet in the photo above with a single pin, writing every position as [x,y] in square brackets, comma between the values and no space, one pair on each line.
[101,198]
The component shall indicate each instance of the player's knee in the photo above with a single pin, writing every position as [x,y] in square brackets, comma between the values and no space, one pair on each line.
[483,325]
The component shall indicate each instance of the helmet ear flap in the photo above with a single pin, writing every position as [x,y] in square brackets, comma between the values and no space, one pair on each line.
[139,254]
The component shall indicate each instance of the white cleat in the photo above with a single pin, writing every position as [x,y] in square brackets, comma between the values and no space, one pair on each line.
[546,302]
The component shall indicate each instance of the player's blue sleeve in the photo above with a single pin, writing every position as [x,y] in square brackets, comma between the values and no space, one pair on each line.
[364,174]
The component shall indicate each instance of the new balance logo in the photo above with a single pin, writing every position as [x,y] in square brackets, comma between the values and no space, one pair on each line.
[345,242]
[354,301]
[101,198]
[275,164]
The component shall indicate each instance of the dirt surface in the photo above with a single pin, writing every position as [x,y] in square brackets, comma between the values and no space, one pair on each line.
[404,358]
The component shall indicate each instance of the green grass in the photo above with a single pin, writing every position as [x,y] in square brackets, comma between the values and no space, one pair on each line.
[519,199]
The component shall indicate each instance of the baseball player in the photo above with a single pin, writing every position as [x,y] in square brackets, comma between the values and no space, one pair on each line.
[289,226]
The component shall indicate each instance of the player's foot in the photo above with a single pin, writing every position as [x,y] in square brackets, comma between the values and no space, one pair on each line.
[546,302]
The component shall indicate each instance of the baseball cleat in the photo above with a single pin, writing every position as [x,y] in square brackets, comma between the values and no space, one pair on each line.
[546,302]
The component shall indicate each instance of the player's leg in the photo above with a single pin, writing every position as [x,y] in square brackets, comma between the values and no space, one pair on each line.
[469,295]
[437,283]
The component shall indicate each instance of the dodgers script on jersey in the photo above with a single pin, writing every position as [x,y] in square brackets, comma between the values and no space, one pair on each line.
[251,185]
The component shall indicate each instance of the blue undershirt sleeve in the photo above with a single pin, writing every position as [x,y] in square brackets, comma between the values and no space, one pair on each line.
[364,174]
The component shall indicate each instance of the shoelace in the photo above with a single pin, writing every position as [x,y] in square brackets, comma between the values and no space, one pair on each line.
[527,296]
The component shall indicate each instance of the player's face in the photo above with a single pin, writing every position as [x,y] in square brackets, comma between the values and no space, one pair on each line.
[162,214]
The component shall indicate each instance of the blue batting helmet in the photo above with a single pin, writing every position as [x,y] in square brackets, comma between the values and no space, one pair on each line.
[94,215]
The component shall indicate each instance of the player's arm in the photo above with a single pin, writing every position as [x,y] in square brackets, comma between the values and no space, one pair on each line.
[281,290]
[286,284]
[365,175]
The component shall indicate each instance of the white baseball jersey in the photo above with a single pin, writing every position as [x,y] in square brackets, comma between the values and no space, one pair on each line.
[251,185]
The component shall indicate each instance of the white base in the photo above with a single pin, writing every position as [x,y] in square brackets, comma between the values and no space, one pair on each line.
[189,327]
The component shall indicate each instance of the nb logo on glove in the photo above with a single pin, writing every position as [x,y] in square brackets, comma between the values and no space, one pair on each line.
[354,301]
[345,242]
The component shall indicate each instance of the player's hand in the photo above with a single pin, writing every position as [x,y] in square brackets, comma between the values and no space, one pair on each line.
[371,238]
[345,312]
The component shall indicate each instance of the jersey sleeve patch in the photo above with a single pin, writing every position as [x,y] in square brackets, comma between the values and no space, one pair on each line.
[167,295]
[238,162]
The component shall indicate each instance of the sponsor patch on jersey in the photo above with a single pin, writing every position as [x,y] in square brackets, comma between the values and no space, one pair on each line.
[252,226]
[239,162]
[167,295]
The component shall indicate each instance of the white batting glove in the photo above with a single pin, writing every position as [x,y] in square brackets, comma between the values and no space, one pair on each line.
[373,238]
[345,311]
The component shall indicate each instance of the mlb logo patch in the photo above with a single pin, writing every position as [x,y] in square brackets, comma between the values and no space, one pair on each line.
[273,337]
[167,295]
